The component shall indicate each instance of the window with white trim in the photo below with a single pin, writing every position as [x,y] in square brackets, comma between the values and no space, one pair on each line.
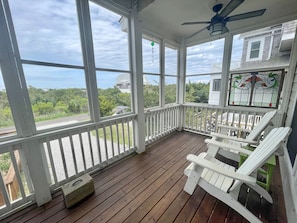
[255,49]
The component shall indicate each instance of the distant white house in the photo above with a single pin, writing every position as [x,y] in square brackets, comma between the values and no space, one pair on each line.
[123,82]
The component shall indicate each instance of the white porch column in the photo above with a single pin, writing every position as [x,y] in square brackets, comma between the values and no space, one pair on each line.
[18,97]
[85,28]
[137,80]
[226,69]
[181,82]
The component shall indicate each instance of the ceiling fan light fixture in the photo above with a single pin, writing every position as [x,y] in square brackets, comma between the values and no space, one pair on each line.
[216,29]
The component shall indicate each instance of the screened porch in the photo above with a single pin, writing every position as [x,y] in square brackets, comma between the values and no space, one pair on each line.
[98,86]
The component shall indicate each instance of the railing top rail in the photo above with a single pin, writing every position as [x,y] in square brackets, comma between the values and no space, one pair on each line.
[162,108]
[229,108]
[51,133]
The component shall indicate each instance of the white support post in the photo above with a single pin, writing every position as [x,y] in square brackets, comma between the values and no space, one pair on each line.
[226,69]
[35,164]
[181,83]
[137,80]
[13,76]
[88,57]
[162,73]
[288,84]
[18,97]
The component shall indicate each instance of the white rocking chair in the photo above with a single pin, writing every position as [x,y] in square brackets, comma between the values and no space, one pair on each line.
[224,181]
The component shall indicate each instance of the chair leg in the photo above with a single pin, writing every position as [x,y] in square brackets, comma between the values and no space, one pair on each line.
[193,178]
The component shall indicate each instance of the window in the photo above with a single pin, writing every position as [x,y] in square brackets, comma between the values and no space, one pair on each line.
[151,90]
[216,85]
[205,58]
[114,89]
[197,89]
[110,38]
[204,63]
[170,89]
[110,41]
[256,89]
[49,42]
[150,55]
[151,71]
[170,74]
[255,49]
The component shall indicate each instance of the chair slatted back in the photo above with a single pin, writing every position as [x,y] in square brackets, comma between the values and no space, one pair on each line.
[264,122]
[263,152]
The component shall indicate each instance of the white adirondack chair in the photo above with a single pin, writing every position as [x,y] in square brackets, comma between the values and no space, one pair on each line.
[251,139]
[223,181]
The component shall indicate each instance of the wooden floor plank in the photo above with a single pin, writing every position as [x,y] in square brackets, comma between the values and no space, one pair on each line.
[148,187]
[204,211]
[190,208]
[128,204]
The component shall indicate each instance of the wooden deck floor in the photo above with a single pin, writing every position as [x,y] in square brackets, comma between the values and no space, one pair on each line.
[149,188]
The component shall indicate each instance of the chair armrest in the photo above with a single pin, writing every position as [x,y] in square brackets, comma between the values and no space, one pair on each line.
[234,128]
[228,146]
[218,169]
[222,136]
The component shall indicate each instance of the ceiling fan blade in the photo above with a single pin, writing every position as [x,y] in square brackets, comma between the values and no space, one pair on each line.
[233,4]
[194,23]
[245,15]
[194,34]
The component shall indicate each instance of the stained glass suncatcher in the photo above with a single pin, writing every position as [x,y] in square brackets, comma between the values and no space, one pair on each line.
[256,89]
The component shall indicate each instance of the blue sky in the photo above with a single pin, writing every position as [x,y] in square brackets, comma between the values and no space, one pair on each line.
[48,31]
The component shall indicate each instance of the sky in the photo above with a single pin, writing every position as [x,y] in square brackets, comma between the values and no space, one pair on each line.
[48,31]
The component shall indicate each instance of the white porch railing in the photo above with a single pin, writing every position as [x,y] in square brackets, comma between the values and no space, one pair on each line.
[67,153]
[71,152]
[205,119]
[160,122]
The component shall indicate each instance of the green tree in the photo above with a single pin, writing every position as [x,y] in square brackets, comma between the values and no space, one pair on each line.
[170,93]
[42,108]
[197,92]
[151,95]
[106,106]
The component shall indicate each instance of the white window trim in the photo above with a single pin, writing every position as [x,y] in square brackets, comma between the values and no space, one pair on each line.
[252,40]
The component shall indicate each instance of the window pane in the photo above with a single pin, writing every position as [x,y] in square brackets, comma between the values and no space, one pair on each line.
[254,54]
[110,38]
[170,60]
[170,89]
[150,55]
[256,89]
[56,93]
[114,91]
[269,47]
[205,58]
[197,89]
[255,49]
[7,126]
[47,30]
[256,45]
[151,87]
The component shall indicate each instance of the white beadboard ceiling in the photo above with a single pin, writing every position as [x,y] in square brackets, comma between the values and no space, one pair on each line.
[164,17]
